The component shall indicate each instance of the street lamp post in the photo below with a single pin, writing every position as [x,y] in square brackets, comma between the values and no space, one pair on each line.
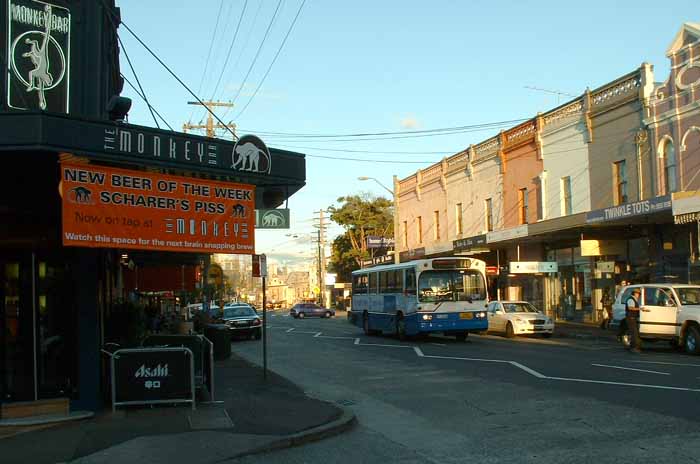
[395,197]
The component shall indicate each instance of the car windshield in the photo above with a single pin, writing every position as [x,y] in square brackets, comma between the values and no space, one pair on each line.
[689,295]
[238,311]
[519,308]
[455,285]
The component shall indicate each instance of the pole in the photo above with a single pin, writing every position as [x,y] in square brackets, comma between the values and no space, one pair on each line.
[319,267]
[264,303]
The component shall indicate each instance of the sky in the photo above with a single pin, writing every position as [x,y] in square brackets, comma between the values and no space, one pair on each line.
[369,67]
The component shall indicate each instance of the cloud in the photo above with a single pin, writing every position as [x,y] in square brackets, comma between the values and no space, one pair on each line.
[409,122]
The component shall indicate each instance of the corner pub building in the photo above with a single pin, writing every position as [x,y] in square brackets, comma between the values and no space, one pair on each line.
[60,107]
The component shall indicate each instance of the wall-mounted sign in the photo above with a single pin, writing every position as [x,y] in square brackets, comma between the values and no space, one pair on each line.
[251,154]
[38,74]
[686,207]
[602,247]
[414,253]
[375,241]
[377,260]
[272,219]
[605,266]
[627,210]
[532,267]
[259,266]
[469,243]
[118,208]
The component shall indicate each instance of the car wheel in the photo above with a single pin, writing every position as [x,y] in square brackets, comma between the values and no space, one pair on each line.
[462,337]
[328,314]
[692,340]
[510,332]
[300,316]
[401,327]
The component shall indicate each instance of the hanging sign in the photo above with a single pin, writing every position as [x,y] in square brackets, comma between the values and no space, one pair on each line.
[272,219]
[38,51]
[118,208]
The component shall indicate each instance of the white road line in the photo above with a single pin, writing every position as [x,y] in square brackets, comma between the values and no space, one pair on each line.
[318,334]
[528,370]
[334,337]
[438,344]
[305,332]
[418,351]
[668,363]
[624,384]
[357,341]
[289,330]
[630,369]
[386,346]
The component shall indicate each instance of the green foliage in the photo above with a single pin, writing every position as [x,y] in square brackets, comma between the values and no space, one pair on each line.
[360,216]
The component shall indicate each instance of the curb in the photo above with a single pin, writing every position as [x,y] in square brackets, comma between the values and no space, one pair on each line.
[345,422]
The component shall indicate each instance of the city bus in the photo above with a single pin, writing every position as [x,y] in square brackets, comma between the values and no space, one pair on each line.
[439,295]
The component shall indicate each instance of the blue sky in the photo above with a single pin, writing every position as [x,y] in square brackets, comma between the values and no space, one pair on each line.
[383,66]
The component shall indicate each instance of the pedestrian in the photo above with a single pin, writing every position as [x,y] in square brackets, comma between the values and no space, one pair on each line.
[632,313]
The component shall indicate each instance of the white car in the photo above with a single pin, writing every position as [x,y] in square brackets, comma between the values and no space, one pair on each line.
[518,318]
[667,312]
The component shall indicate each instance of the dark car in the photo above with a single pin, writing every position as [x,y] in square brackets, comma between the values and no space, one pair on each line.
[302,310]
[242,321]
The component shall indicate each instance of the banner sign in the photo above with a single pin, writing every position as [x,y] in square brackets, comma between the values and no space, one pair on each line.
[465,244]
[627,210]
[272,219]
[148,375]
[375,241]
[532,267]
[118,208]
[38,51]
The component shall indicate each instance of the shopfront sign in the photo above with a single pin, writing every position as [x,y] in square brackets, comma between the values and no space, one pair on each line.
[414,253]
[377,260]
[628,210]
[117,208]
[602,247]
[507,234]
[469,243]
[375,241]
[605,266]
[152,375]
[272,219]
[38,52]
[532,267]
[686,207]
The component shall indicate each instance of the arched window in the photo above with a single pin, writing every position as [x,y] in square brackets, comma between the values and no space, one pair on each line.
[668,154]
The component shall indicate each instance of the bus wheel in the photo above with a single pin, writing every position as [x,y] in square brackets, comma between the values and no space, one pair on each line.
[462,337]
[401,327]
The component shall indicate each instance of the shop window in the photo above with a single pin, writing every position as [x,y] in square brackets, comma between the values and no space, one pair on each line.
[620,172]
[458,218]
[523,202]
[489,214]
[566,202]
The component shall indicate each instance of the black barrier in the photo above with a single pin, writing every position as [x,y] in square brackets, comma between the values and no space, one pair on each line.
[152,376]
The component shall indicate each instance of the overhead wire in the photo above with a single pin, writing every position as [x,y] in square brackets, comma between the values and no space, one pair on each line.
[230,49]
[144,98]
[262,81]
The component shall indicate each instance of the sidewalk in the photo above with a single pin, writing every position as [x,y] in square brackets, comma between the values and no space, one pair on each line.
[255,416]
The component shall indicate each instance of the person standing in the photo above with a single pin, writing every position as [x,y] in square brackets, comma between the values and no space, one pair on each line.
[632,313]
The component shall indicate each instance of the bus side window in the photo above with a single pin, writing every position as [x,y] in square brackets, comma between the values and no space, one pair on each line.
[398,281]
[410,282]
[358,284]
[372,283]
[383,284]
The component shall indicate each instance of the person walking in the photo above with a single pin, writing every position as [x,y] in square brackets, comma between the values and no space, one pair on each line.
[632,313]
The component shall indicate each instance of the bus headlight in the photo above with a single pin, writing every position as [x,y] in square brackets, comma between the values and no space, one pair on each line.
[480,315]
[427,317]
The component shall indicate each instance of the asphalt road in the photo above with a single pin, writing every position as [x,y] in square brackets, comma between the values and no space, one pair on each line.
[489,399]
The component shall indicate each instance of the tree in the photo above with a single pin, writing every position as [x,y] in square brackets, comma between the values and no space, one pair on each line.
[361,216]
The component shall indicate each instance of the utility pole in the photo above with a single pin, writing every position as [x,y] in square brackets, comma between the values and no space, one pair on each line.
[321,239]
[210,127]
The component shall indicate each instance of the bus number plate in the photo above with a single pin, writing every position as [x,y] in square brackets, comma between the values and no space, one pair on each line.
[442,316]
[465,315]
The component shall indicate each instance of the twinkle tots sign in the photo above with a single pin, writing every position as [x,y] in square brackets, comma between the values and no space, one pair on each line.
[117,208]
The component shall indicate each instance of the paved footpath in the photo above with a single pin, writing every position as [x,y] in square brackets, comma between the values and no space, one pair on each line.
[254,416]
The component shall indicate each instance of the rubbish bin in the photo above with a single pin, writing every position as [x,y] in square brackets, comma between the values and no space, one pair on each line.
[220,337]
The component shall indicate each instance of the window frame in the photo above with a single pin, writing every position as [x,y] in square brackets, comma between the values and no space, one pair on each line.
[523,206]
[488,206]
[459,219]
[621,181]
[567,200]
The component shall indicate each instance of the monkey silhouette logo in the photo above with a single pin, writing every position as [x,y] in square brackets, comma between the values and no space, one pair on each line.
[82,195]
[250,154]
[238,211]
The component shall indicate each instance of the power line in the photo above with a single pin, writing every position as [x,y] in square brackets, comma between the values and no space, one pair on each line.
[144,99]
[273,60]
[211,47]
[230,49]
[257,54]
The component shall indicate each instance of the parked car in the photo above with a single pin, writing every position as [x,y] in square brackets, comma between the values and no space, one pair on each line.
[242,320]
[667,312]
[302,310]
[518,318]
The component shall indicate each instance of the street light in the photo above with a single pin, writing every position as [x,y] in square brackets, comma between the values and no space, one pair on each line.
[396,211]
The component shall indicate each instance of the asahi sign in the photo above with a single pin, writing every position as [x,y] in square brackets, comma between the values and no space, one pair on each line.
[38,74]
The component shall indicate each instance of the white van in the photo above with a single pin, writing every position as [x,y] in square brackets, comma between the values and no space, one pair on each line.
[667,312]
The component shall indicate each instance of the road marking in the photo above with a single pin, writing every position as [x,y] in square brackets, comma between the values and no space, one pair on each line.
[318,334]
[289,330]
[357,341]
[624,384]
[418,351]
[438,344]
[668,363]
[631,369]
[334,337]
[386,346]
[528,370]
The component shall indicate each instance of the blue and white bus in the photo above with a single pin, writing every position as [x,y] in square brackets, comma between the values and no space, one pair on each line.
[439,295]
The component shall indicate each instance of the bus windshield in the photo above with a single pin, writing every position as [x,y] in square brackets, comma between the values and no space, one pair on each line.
[452,285]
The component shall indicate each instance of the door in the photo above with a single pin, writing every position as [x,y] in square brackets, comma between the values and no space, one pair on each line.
[496,319]
[659,312]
